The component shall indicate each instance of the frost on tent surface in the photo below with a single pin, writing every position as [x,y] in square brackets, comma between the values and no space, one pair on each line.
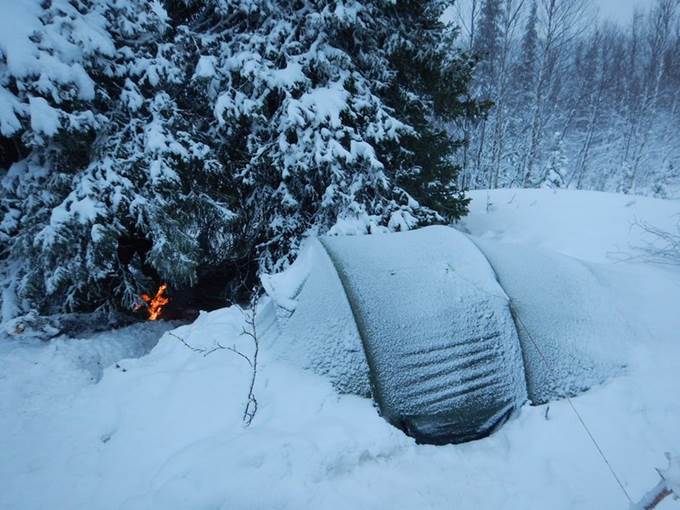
[438,334]
[455,334]
[566,318]
[319,331]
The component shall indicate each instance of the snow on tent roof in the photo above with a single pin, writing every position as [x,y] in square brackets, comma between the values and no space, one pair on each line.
[420,321]
[437,332]
[319,329]
[572,334]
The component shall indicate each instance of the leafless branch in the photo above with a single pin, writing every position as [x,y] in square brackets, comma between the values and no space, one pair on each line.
[664,246]
[250,330]
[184,342]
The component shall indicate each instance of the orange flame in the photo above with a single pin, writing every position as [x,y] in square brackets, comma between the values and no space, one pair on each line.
[155,304]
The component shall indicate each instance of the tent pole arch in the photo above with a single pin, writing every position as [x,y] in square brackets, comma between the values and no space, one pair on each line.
[358,322]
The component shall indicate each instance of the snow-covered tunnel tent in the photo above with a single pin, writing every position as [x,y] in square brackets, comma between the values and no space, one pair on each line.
[448,334]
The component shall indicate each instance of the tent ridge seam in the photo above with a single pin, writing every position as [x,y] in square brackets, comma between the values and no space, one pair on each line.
[515,319]
[359,324]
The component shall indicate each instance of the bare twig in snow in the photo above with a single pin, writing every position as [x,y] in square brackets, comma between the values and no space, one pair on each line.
[250,330]
[664,247]
[184,342]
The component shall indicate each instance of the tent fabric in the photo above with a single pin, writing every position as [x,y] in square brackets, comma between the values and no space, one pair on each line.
[565,317]
[319,329]
[436,329]
[449,335]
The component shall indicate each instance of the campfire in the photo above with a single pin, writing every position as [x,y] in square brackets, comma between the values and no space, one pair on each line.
[154,305]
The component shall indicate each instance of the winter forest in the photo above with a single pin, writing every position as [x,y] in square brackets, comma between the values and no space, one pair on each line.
[578,103]
[339,254]
[196,143]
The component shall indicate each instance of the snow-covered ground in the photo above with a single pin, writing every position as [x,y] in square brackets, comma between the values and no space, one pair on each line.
[164,430]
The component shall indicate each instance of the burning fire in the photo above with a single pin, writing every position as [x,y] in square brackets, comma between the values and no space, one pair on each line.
[155,304]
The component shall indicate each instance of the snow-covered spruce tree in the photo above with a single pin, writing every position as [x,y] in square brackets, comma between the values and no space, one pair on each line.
[212,136]
[47,123]
[488,43]
[116,190]
[330,111]
[165,204]
[556,166]
[525,68]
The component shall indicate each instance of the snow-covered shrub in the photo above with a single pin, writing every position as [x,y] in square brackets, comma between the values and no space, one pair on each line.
[331,110]
[660,245]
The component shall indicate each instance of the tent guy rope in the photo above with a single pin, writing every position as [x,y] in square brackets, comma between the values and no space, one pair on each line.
[599,449]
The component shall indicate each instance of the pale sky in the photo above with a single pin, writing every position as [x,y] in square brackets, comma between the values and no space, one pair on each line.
[620,10]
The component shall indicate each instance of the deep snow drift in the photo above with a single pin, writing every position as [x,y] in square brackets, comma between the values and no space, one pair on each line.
[164,430]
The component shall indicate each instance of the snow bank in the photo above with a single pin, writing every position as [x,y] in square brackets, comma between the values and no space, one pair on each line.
[166,432]
[588,225]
